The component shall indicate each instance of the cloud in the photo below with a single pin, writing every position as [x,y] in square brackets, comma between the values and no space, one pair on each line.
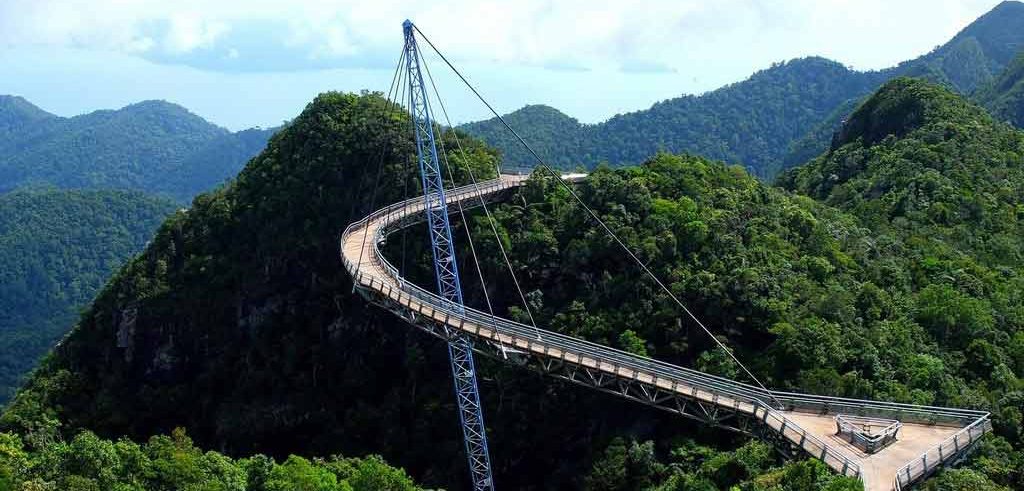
[187,32]
[684,36]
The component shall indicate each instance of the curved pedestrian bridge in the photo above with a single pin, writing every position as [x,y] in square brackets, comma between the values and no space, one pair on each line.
[928,438]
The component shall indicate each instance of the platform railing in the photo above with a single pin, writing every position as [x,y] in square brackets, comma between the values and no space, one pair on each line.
[940,454]
[906,413]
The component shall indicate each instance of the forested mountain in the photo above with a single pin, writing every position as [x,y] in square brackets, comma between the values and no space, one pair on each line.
[768,122]
[57,249]
[151,146]
[752,122]
[238,322]
[976,55]
[998,37]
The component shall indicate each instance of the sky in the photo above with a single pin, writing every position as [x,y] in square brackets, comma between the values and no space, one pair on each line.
[245,63]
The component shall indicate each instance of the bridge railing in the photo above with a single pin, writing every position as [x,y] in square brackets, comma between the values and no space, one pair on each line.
[568,344]
[906,413]
[721,394]
[724,391]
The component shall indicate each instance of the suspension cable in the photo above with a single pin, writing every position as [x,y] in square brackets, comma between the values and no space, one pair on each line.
[380,161]
[490,220]
[558,178]
[462,211]
[362,169]
[469,235]
[406,177]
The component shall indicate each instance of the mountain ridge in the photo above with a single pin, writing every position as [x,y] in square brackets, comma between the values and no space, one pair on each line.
[154,146]
[149,154]
[755,122]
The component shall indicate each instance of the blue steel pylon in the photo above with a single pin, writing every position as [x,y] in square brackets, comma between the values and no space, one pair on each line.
[460,349]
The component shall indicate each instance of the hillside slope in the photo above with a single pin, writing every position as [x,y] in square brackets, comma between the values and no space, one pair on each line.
[57,249]
[923,166]
[151,146]
[1004,97]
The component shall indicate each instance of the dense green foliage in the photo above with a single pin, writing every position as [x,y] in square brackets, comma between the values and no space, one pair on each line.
[940,184]
[151,146]
[779,117]
[237,322]
[634,466]
[57,249]
[173,463]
